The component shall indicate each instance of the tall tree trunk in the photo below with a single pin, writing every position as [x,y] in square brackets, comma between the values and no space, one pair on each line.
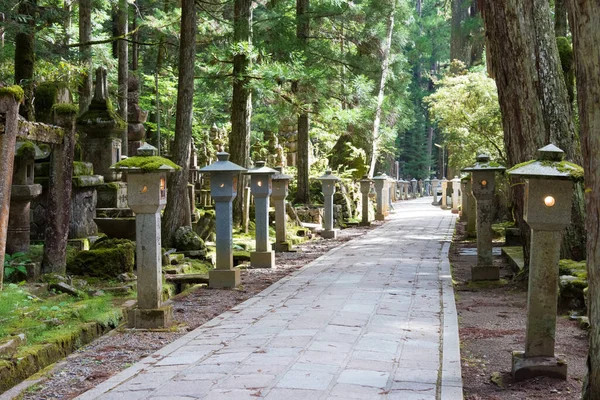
[135,47]
[177,212]
[534,102]
[385,66]
[585,20]
[241,102]
[459,35]
[85,54]
[123,69]
[560,18]
[303,140]
[477,34]
[25,59]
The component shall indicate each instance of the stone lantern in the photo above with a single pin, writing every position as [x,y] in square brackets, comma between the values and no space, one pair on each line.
[413,183]
[223,189]
[483,184]
[434,185]
[23,191]
[391,192]
[421,189]
[427,186]
[547,211]
[147,196]
[444,204]
[379,182]
[455,194]
[279,194]
[261,187]
[328,181]
[365,188]
[468,211]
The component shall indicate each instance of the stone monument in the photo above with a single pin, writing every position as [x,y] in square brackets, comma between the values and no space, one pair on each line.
[261,186]
[379,182]
[279,194]
[483,184]
[444,204]
[455,194]
[365,188]
[413,185]
[328,180]
[548,197]
[434,185]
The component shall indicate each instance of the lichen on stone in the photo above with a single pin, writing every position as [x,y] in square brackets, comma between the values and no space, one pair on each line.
[146,164]
[15,90]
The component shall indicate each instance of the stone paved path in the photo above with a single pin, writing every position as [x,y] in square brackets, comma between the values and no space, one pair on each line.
[372,319]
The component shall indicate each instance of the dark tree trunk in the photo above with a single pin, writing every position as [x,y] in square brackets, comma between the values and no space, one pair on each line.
[585,20]
[459,35]
[241,102]
[477,34]
[531,91]
[177,212]
[25,59]
[303,149]
[85,54]
[123,47]
[135,47]
[560,18]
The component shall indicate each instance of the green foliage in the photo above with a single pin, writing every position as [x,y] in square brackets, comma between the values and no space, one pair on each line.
[14,266]
[106,259]
[16,91]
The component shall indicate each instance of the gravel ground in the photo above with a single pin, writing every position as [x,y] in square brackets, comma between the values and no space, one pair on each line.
[119,349]
[492,324]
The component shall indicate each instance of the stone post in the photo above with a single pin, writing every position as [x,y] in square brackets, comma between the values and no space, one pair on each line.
[444,205]
[246,208]
[328,181]
[279,194]
[9,109]
[391,193]
[23,191]
[483,186]
[379,183]
[421,190]
[455,194]
[223,183]
[470,206]
[147,196]
[548,194]
[261,186]
[406,184]
[413,183]
[365,188]
[60,187]
[427,187]
[434,185]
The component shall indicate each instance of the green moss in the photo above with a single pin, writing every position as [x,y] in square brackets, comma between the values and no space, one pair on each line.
[65,109]
[27,150]
[15,90]
[575,171]
[82,168]
[517,166]
[113,185]
[107,259]
[146,164]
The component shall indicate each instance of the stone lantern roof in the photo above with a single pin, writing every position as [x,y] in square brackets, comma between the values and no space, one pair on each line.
[146,161]
[223,165]
[484,164]
[29,148]
[548,165]
[280,176]
[261,169]
[328,176]
[379,177]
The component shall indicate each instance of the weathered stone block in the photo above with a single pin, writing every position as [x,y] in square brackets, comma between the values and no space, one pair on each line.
[219,279]
[262,259]
[529,367]
[489,273]
[150,318]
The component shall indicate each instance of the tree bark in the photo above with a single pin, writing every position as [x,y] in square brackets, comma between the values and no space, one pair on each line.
[385,66]
[477,35]
[459,35]
[123,70]
[25,59]
[585,19]
[303,149]
[85,54]
[177,212]
[531,91]
[560,18]
[241,102]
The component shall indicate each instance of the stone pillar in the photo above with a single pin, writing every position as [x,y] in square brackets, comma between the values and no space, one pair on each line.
[9,109]
[379,183]
[23,191]
[328,180]
[455,194]
[279,194]
[470,207]
[365,188]
[147,197]
[427,187]
[483,186]
[548,200]
[261,186]
[444,205]
[434,185]
[223,183]
[413,183]
[391,193]
[406,184]
[421,190]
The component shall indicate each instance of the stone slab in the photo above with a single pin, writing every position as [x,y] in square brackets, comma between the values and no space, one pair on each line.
[219,279]
[150,319]
[529,367]
[262,259]
[491,273]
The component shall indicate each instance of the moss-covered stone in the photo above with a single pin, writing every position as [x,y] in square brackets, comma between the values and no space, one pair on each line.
[146,164]
[107,258]
[65,109]
[82,168]
[26,150]
[575,171]
[15,90]
[186,239]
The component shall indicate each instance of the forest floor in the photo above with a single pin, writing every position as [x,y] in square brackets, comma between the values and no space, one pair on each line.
[492,324]
[112,353]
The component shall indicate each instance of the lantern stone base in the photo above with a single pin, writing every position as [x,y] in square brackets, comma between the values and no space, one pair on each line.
[380,217]
[150,318]
[364,223]
[329,233]
[223,278]
[282,247]
[454,211]
[529,367]
[489,273]
[262,259]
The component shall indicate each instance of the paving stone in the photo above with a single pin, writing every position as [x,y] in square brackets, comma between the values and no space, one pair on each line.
[305,380]
[292,394]
[364,378]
